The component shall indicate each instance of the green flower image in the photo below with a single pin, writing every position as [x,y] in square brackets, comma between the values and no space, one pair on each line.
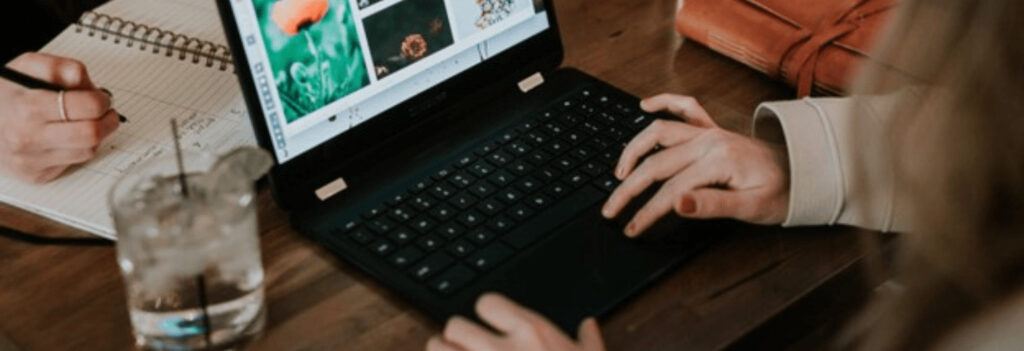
[314,52]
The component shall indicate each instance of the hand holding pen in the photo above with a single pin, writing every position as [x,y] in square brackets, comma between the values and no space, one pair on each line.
[53,116]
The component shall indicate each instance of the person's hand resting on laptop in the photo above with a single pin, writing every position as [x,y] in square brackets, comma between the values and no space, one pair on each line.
[709,172]
[36,145]
[518,329]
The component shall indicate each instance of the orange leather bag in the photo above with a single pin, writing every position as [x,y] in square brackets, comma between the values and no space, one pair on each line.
[808,43]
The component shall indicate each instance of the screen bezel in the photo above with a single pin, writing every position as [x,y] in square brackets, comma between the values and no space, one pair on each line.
[540,53]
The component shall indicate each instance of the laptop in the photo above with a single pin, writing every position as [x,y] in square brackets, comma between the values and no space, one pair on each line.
[439,147]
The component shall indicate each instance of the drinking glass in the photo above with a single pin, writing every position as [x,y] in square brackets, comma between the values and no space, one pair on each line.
[189,254]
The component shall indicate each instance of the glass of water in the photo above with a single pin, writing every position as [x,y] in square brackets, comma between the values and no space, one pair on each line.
[189,255]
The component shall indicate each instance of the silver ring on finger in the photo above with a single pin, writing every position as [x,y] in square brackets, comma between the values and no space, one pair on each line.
[61,108]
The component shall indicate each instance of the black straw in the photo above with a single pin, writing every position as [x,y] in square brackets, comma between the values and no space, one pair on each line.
[177,153]
[201,285]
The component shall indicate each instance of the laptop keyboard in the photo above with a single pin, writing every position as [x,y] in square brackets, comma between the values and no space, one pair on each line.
[502,197]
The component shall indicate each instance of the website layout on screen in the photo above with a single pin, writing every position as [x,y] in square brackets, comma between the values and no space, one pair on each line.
[322,67]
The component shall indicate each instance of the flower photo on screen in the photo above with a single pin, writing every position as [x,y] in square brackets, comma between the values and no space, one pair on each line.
[405,33]
[314,52]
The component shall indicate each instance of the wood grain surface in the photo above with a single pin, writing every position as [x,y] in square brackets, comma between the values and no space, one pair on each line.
[72,298]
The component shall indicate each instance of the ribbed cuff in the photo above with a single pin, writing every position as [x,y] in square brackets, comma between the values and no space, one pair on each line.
[815,189]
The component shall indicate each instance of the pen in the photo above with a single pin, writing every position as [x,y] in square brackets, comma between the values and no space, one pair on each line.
[33,83]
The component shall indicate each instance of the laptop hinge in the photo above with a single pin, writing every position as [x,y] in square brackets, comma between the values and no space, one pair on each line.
[533,81]
[330,189]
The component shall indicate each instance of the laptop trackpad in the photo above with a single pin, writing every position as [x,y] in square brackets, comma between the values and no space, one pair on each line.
[586,269]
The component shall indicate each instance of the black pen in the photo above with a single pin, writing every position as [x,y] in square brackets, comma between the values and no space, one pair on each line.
[33,83]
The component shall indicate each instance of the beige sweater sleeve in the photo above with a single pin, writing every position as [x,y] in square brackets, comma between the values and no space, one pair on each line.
[824,140]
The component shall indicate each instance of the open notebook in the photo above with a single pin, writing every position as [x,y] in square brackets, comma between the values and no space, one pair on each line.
[162,59]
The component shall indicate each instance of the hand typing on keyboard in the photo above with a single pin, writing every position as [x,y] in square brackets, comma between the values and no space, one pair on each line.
[708,172]
[519,328]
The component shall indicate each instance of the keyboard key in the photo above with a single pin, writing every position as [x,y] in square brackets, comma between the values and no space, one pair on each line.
[382,247]
[556,147]
[401,214]
[381,225]
[395,200]
[471,219]
[569,118]
[482,189]
[520,168]
[538,157]
[510,196]
[528,184]
[431,265]
[565,163]
[405,256]
[461,248]
[481,236]
[402,235]
[520,212]
[590,127]
[374,212]
[538,201]
[442,174]
[350,225]
[575,179]
[499,158]
[429,243]
[639,122]
[420,186]
[489,257]
[423,202]
[462,179]
[464,161]
[518,148]
[500,224]
[452,279]
[361,235]
[607,183]
[526,126]
[548,174]
[594,169]
[481,169]
[554,128]
[423,224]
[442,190]
[463,200]
[486,149]
[490,207]
[537,138]
[442,212]
[574,137]
[582,153]
[557,190]
[508,136]
[501,178]
[451,230]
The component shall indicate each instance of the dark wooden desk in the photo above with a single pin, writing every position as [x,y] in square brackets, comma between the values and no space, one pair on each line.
[67,298]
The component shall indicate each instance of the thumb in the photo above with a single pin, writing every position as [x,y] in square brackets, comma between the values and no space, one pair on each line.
[708,203]
[589,336]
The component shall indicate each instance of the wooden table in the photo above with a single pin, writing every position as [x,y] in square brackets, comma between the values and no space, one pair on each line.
[72,298]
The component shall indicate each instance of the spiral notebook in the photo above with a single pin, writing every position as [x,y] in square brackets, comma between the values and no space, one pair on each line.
[162,59]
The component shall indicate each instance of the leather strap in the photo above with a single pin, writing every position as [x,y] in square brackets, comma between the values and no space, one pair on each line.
[803,48]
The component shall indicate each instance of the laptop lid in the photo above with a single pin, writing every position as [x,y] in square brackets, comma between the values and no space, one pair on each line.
[325,79]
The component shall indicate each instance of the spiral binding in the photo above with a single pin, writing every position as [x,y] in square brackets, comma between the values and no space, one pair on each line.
[169,42]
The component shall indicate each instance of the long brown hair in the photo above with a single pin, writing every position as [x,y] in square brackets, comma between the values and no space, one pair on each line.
[958,160]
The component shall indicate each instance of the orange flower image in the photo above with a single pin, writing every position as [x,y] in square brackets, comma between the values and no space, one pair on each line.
[414,47]
[293,15]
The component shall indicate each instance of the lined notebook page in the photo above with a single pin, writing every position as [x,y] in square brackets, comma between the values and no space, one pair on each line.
[149,89]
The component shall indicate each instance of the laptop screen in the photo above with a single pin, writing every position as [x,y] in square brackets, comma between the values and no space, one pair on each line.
[322,67]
